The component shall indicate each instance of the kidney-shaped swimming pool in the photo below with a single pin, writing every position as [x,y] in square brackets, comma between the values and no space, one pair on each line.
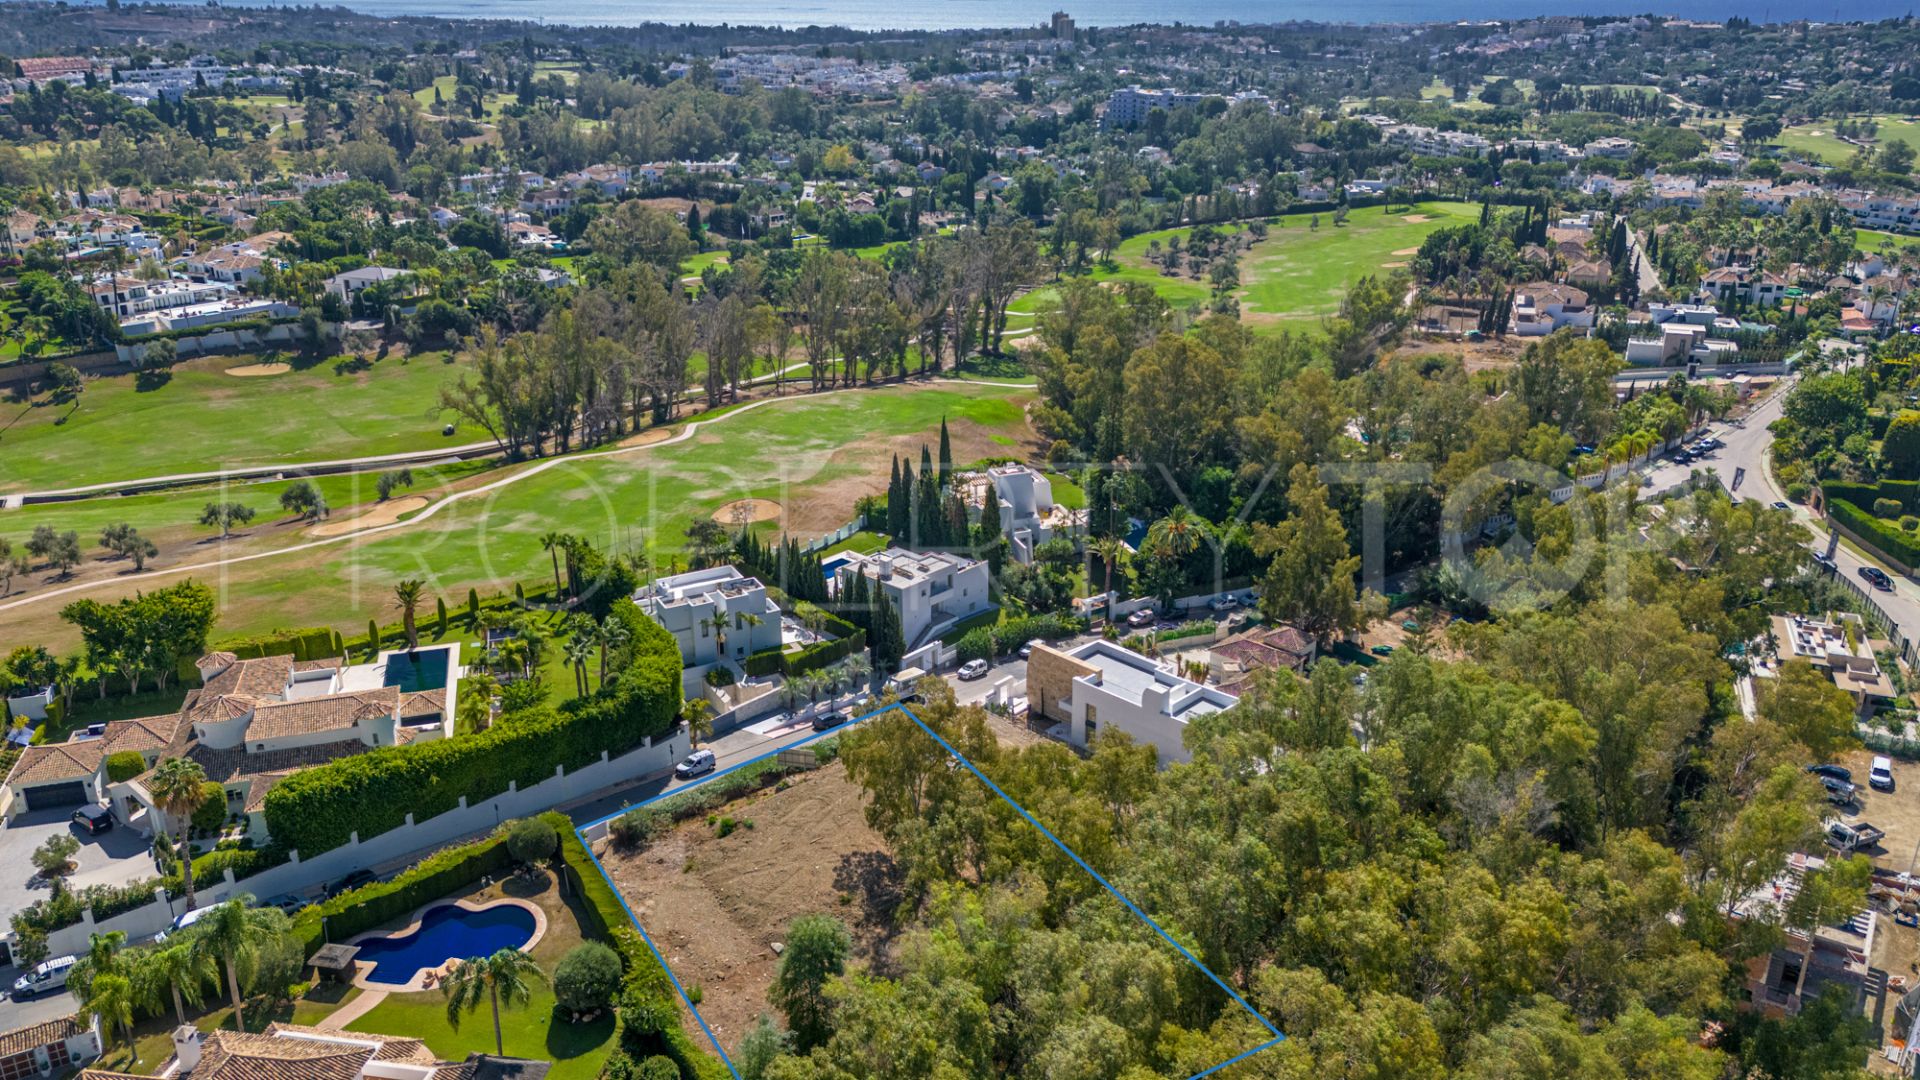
[446,932]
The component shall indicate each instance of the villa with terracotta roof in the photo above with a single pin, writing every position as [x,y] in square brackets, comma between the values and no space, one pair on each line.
[298,1052]
[1235,660]
[250,724]
[47,1048]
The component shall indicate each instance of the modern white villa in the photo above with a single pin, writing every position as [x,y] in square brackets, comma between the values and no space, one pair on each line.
[1102,684]
[931,590]
[251,724]
[714,614]
[1028,515]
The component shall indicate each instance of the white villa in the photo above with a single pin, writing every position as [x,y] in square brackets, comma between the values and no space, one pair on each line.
[349,284]
[931,590]
[1028,515]
[251,724]
[715,614]
[1101,682]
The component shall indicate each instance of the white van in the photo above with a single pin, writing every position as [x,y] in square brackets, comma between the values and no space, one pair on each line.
[1880,775]
[902,683]
[49,978]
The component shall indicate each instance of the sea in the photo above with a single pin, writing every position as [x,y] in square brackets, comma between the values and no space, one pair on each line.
[882,15]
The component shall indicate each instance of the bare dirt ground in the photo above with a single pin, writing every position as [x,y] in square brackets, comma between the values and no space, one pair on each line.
[256,370]
[715,906]
[384,513]
[647,437]
[1896,811]
[747,511]
[816,506]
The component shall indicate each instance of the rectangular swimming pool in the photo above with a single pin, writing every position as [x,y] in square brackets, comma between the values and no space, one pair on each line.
[422,669]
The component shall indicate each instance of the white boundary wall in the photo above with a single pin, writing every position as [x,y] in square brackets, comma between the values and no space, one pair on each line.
[414,839]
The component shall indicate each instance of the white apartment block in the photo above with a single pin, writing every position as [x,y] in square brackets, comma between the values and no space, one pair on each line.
[1129,106]
[1102,685]
[931,590]
[1435,143]
[715,614]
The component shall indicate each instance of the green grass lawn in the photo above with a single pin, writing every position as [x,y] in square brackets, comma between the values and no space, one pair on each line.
[1294,276]
[1871,240]
[203,419]
[864,542]
[1818,140]
[830,447]
[1301,273]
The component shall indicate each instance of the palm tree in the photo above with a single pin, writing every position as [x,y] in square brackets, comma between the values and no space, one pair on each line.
[859,670]
[612,636]
[749,622]
[235,934]
[102,958]
[552,543]
[1111,550]
[178,970]
[698,713]
[407,595]
[579,649]
[179,788]
[506,974]
[475,711]
[514,653]
[111,999]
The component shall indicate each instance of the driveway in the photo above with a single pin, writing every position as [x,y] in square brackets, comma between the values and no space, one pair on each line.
[111,858]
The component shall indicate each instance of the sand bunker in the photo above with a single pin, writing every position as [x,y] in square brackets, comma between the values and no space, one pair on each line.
[1417,218]
[249,371]
[1392,266]
[748,511]
[385,513]
[1408,251]
[646,438]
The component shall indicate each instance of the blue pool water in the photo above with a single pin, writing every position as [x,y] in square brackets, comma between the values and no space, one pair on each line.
[447,932]
[422,669]
[830,566]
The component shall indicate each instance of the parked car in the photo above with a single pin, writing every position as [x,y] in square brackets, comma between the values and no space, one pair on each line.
[1778,505]
[829,720]
[1381,650]
[1880,774]
[698,763]
[352,881]
[974,669]
[1223,603]
[1142,619]
[286,902]
[1832,772]
[1839,792]
[1877,578]
[93,819]
[1824,561]
[49,977]
[1026,651]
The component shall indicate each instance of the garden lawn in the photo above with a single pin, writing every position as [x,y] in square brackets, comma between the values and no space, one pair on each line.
[203,419]
[1871,240]
[813,454]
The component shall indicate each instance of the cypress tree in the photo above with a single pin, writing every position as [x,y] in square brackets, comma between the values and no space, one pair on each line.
[373,639]
[946,454]
[440,616]
[893,497]
[473,607]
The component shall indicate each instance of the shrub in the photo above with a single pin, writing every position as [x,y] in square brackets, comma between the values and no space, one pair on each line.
[645,1013]
[636,828]
[212,813]
[1886,508]
[531,840]
[587,978]
[320,809]
[659,1068]
[124,766]
[1798,491]
[719,676]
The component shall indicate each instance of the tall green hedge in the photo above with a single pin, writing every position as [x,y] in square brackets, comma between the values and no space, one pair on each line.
[319,809]
[775,661]
[1893,541]
[306,643]
[435,876]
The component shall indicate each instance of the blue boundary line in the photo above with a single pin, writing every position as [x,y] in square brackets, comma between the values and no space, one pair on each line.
[580,833]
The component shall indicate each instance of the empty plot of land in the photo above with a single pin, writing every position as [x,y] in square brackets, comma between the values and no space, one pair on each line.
[716,906]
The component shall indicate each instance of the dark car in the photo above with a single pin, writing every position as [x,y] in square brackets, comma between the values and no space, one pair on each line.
[827,721]
[1832,772]
[93,820]
[1778,505]
[1839,792]
[352,881]
[1877,578]
[1823,560]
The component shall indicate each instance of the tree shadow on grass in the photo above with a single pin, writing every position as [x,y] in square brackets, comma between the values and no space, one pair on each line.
[567,1040]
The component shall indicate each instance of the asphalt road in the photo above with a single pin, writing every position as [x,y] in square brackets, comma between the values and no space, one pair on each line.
[1744,454]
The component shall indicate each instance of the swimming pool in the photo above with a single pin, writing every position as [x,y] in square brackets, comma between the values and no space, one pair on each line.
[446,932]
[421,669]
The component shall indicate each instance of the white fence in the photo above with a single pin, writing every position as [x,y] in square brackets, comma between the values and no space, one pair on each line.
[407,842]
[837,535]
